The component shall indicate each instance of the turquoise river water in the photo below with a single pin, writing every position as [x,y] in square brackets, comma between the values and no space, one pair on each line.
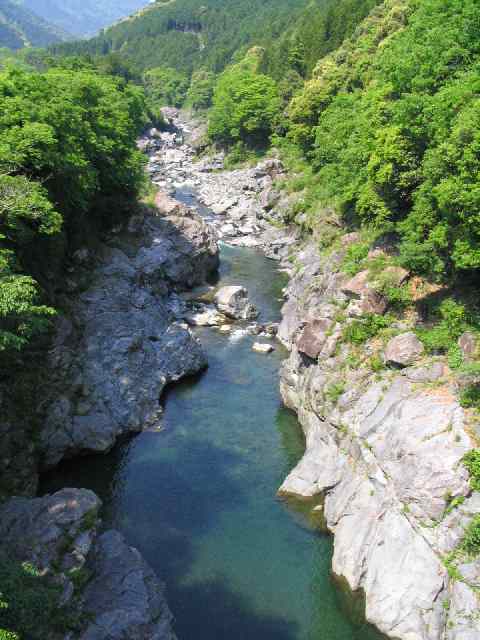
[199,497]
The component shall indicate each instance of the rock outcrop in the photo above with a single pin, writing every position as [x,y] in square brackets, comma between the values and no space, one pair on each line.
[121,598]
[233,302]
[403,350]
[124,338]
[384,449]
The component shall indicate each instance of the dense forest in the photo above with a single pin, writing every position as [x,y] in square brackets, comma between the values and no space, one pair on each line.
[67,160]
[188,35]
[384,126]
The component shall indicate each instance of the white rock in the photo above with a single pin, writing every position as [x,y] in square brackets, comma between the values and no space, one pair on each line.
[262,347]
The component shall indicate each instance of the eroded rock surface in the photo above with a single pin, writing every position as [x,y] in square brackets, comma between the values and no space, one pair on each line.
[59,535]
[385,451]
[126,339]
[233,302]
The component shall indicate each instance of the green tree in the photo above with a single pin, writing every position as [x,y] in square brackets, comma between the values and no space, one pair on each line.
[165,87]
[246,105]
[68,159]
[200,92]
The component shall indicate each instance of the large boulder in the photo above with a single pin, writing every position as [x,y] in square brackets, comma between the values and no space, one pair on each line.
[58,535]
[233,302]
[365,298]
[403,350]
[313,337]
[124,600]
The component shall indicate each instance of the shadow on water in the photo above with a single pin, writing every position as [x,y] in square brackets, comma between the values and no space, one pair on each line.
[199,497]
[211,605]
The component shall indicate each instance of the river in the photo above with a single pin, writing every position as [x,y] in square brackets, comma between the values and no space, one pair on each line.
[198,498]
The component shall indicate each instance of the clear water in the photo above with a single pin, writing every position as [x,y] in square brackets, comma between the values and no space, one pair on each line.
[199,498]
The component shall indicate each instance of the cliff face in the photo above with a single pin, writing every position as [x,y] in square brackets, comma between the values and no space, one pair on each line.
[108,588]
[384,448]
[121,340]
[122,325]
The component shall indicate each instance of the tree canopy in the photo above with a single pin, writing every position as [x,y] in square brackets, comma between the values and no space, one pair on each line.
[67,162]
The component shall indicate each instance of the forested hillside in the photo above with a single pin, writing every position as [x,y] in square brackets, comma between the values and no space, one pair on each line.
[388,128]
[68,162]
[20,27]
[83,17]
[187,35]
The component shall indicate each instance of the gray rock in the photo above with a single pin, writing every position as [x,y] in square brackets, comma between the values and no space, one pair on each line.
[262,347]
[386,457]
[126,325]
[468,345]
[233,302]
[429,373]
[403,350]
[36,529]
[124,600]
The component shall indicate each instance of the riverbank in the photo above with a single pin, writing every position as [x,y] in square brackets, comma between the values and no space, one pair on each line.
[385,432]
[385,435]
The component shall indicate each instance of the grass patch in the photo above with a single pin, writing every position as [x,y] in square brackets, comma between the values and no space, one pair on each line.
[334,391]
[359,331]
[472,463]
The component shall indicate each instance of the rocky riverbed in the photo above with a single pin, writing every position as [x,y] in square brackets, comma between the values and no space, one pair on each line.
[384,444]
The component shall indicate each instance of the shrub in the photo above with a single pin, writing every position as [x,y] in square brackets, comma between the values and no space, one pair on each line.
[470,397]
[472,462]
[29,603]
[359,331]
[334,391]
[471,541]
[453,322]
[355,257]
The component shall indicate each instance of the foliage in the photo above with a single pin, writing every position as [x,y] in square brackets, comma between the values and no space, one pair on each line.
[359,331]
[200,92]
[389,122]
[246,105]
[444,334]
[472,462]
[28,603]
[68,160]
[165,87]
[334,391]
[355,257]
[470,397]
[471,541]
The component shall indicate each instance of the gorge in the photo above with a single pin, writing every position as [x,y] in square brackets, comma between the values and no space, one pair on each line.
[240,334]
[195,492]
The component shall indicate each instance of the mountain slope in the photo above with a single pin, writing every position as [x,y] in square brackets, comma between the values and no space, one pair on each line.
[83,17]
[20,27]
[189,34]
